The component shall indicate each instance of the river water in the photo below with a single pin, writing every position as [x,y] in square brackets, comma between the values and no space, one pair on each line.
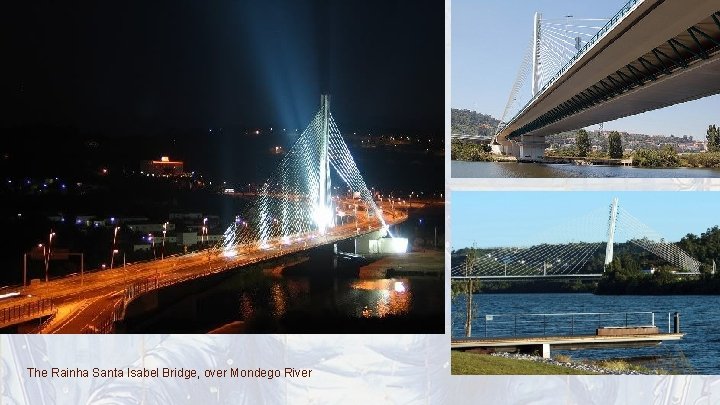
[697,353]
[462,169]
[254,301]
[319,295]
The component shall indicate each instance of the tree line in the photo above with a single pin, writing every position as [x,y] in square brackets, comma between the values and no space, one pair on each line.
[626,274]
[666,156]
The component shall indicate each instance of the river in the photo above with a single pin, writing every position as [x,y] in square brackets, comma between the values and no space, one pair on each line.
[320,295]
[697,353]
[460,169]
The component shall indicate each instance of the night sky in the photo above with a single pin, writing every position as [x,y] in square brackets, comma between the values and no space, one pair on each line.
[143,67]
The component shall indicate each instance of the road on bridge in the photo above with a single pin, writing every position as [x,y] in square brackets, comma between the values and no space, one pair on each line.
[92,302]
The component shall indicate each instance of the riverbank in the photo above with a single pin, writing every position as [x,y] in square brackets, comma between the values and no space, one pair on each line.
[425,263]
[467,169]
[521,364]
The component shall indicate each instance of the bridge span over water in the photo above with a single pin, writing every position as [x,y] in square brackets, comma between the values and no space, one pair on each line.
[294,211]
[651,54]
[576,258]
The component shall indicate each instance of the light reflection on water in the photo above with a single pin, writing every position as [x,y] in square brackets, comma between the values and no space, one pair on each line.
[390,297]
[366,298]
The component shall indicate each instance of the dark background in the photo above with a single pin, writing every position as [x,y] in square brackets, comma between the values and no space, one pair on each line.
[147,67]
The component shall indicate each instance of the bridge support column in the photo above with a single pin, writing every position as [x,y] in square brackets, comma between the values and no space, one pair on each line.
[545,351]
[531,148]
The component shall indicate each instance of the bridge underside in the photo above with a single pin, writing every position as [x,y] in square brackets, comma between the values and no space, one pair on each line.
[612,99]
[647,62]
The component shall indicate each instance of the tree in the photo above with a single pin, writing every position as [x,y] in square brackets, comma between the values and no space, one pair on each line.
[582,141]
[469,262]
[615,149]
[713,139]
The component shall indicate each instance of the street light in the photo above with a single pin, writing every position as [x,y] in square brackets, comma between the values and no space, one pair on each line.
[152,241]
[49,253]
[113,250]
[204,231]
[112,258]
[163,241]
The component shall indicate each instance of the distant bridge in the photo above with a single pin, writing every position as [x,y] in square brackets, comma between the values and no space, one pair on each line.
[569,260]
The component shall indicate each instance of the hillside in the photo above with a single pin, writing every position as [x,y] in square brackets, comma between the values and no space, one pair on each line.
[468,122]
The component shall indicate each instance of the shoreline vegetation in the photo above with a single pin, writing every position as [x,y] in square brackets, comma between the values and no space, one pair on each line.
[633,271]
[582,147]
[665,157]
[473,363]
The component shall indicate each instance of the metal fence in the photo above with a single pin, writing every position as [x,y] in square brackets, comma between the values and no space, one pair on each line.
[561,324]
[27,310]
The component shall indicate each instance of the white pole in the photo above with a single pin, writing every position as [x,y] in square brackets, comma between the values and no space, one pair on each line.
[611,232]
[536,54]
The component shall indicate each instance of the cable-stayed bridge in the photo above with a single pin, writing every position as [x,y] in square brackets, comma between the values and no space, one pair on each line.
[296,202]
[574,257]
[293,212]
[578,72]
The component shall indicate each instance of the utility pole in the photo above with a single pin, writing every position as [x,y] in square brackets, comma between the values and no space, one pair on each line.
[25,269]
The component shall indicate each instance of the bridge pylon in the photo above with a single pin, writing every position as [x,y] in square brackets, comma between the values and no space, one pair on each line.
[323,208]
[612,221]
[536,54]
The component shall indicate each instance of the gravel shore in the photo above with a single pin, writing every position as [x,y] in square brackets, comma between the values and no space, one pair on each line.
[576,365]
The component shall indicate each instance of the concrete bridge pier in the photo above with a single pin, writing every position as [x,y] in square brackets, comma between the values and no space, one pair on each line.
[530,148]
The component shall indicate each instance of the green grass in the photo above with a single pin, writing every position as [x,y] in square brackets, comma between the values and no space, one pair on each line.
[482,364]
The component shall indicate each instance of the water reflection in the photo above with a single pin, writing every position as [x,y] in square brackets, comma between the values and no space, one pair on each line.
[325,302]
[386,296]
[279,298]
[362,298]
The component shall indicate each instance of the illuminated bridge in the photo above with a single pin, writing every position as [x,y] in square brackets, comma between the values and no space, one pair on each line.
[651,54]
[293,212]
[574,257]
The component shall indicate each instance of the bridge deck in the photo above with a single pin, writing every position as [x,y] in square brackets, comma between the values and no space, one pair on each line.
[545,343]
[592,91]
[84,304]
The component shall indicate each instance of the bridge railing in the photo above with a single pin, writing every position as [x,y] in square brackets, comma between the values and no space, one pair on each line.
[561,324]
[26,310]
[115,311]
[629,6]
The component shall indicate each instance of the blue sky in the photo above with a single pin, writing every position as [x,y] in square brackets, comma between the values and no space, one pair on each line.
[492,219]
[488,39]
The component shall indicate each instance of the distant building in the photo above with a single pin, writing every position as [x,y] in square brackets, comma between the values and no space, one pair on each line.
[163,167]
[151,227]
[186,216]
